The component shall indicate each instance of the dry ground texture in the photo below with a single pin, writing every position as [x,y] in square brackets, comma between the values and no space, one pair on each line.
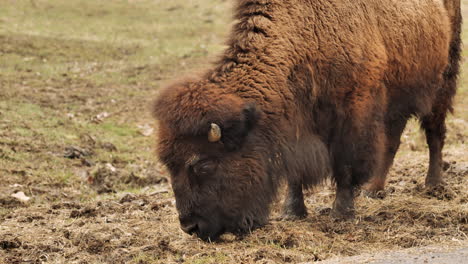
[76,137]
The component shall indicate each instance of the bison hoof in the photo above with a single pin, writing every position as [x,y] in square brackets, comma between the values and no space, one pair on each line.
[342,214]
[434,182]
[290,215]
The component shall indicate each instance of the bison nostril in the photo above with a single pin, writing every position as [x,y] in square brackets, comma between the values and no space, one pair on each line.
[190,228]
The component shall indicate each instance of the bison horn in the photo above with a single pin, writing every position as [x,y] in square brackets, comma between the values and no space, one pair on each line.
[215,133]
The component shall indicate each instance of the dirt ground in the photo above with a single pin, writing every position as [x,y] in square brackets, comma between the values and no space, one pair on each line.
[79,181]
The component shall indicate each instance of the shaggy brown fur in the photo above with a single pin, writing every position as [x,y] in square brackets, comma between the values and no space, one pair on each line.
[307,89]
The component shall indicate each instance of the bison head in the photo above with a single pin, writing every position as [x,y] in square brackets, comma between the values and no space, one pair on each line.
[210,141]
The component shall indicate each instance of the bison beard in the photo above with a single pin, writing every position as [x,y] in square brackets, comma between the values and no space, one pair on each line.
[306,90]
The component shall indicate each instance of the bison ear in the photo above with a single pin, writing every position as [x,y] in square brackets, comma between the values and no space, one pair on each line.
[236,131]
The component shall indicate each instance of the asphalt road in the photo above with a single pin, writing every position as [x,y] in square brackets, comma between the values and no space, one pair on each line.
[423,255]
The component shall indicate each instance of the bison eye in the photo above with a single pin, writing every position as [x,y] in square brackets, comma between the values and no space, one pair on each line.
[204,168]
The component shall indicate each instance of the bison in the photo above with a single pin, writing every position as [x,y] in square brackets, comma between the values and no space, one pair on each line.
[306,90]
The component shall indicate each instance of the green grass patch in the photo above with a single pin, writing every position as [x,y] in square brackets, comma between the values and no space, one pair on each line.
[104,40]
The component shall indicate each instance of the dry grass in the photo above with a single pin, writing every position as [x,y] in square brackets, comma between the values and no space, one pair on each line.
[143,228]
[77,79]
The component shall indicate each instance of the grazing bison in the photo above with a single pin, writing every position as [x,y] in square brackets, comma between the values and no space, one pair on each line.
[305,90]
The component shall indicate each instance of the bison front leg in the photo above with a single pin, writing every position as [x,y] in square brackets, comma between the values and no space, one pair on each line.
[294,207]
[357,156]
[394,127]
[343,206]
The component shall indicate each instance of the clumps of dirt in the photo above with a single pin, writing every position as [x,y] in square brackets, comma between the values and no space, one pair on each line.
[30,218]
[83,154]
[127,198]
[74,152]
[156,206]
[410,214]
[134,199]
[282,238]
[9,242]
[85,212]
[66,205]
[103,177]
[289,241]
[108,146]
[111,172]
[92,242]
[263,255]
[441,192]
[114,230]
[10,202]
[162,247]
[106,178]
[144,179]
